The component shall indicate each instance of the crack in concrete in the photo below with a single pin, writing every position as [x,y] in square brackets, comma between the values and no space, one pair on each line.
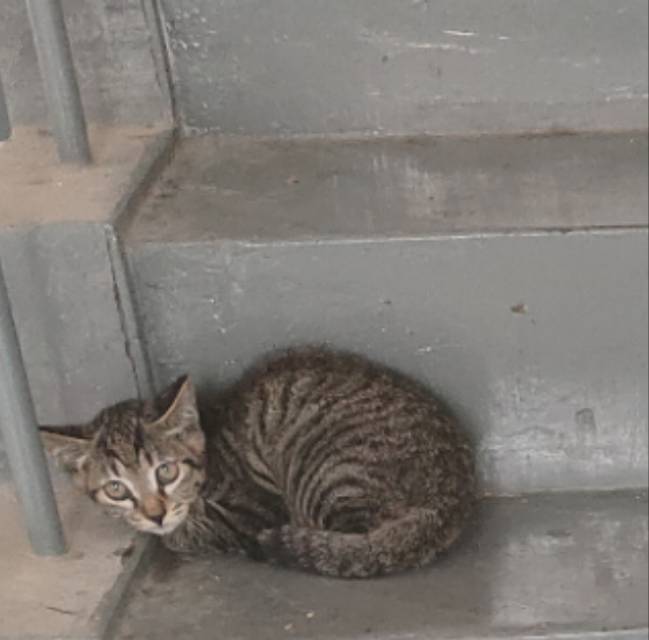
[128,322]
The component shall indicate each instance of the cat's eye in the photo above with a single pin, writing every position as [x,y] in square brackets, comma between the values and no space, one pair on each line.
[167,472]
[116,490]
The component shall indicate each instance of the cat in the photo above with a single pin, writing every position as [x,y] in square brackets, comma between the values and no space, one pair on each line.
[314,459]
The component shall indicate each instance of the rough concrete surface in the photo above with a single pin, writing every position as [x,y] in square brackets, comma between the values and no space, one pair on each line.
[380,66]
[221,188]
[70,596]
[542,567]
[114,52]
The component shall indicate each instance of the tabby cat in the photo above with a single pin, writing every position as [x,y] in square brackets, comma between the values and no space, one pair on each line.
[314,459]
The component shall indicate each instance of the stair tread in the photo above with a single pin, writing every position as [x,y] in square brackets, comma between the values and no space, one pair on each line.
[259,190]
[550,566]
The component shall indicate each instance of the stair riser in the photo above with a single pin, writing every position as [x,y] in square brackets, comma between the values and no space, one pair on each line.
[61,280]
[378,66]
[538,341]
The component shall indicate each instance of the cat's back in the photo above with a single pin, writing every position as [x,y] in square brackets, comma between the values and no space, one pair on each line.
[318,370]
[315,385]
[313,412]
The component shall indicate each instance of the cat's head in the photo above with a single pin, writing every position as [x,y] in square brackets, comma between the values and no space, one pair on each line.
[145,464]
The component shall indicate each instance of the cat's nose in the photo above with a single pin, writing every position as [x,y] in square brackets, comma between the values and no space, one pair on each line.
[154,509]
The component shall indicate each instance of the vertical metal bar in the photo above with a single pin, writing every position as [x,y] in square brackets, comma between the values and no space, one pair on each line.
[5,127]
[22,443]
[59,78]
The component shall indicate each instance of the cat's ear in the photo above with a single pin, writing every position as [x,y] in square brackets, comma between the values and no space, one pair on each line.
[178,408]
[180,417]
[68,449]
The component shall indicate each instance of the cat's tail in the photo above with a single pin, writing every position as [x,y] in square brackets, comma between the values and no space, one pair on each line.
[410,541]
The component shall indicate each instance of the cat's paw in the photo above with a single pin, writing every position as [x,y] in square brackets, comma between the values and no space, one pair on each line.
[270,538]
[275,545]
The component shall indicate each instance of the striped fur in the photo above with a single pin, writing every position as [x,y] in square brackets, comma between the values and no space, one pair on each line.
[327,462]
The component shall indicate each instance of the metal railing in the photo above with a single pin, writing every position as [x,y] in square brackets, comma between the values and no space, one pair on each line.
[59,80]
[18,427]
[21,441]
[5,127]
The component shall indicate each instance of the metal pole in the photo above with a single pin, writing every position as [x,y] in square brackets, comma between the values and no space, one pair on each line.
[61,88]
[5,127]
[22,443]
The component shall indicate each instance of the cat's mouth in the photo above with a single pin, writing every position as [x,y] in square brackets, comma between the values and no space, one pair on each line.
[170,523]
[158,529]
[165,528]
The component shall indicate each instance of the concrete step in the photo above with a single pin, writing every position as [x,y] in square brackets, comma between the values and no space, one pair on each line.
[553,566]
[509,273]
[383,67]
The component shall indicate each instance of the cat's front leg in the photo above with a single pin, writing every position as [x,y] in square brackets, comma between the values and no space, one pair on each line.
[187,542]
[197,534]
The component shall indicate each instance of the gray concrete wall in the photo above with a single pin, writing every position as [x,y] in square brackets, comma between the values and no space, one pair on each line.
[538,340]
[61,280]
[117,58]
[382,66]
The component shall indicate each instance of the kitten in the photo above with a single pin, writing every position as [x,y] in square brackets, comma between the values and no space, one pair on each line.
[314,459]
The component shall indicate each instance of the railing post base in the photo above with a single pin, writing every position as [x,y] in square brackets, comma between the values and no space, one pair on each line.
[59,80]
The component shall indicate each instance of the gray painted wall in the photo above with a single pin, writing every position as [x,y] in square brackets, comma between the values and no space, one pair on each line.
[386,66]
[538,340]
[60,279]
[115,54]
